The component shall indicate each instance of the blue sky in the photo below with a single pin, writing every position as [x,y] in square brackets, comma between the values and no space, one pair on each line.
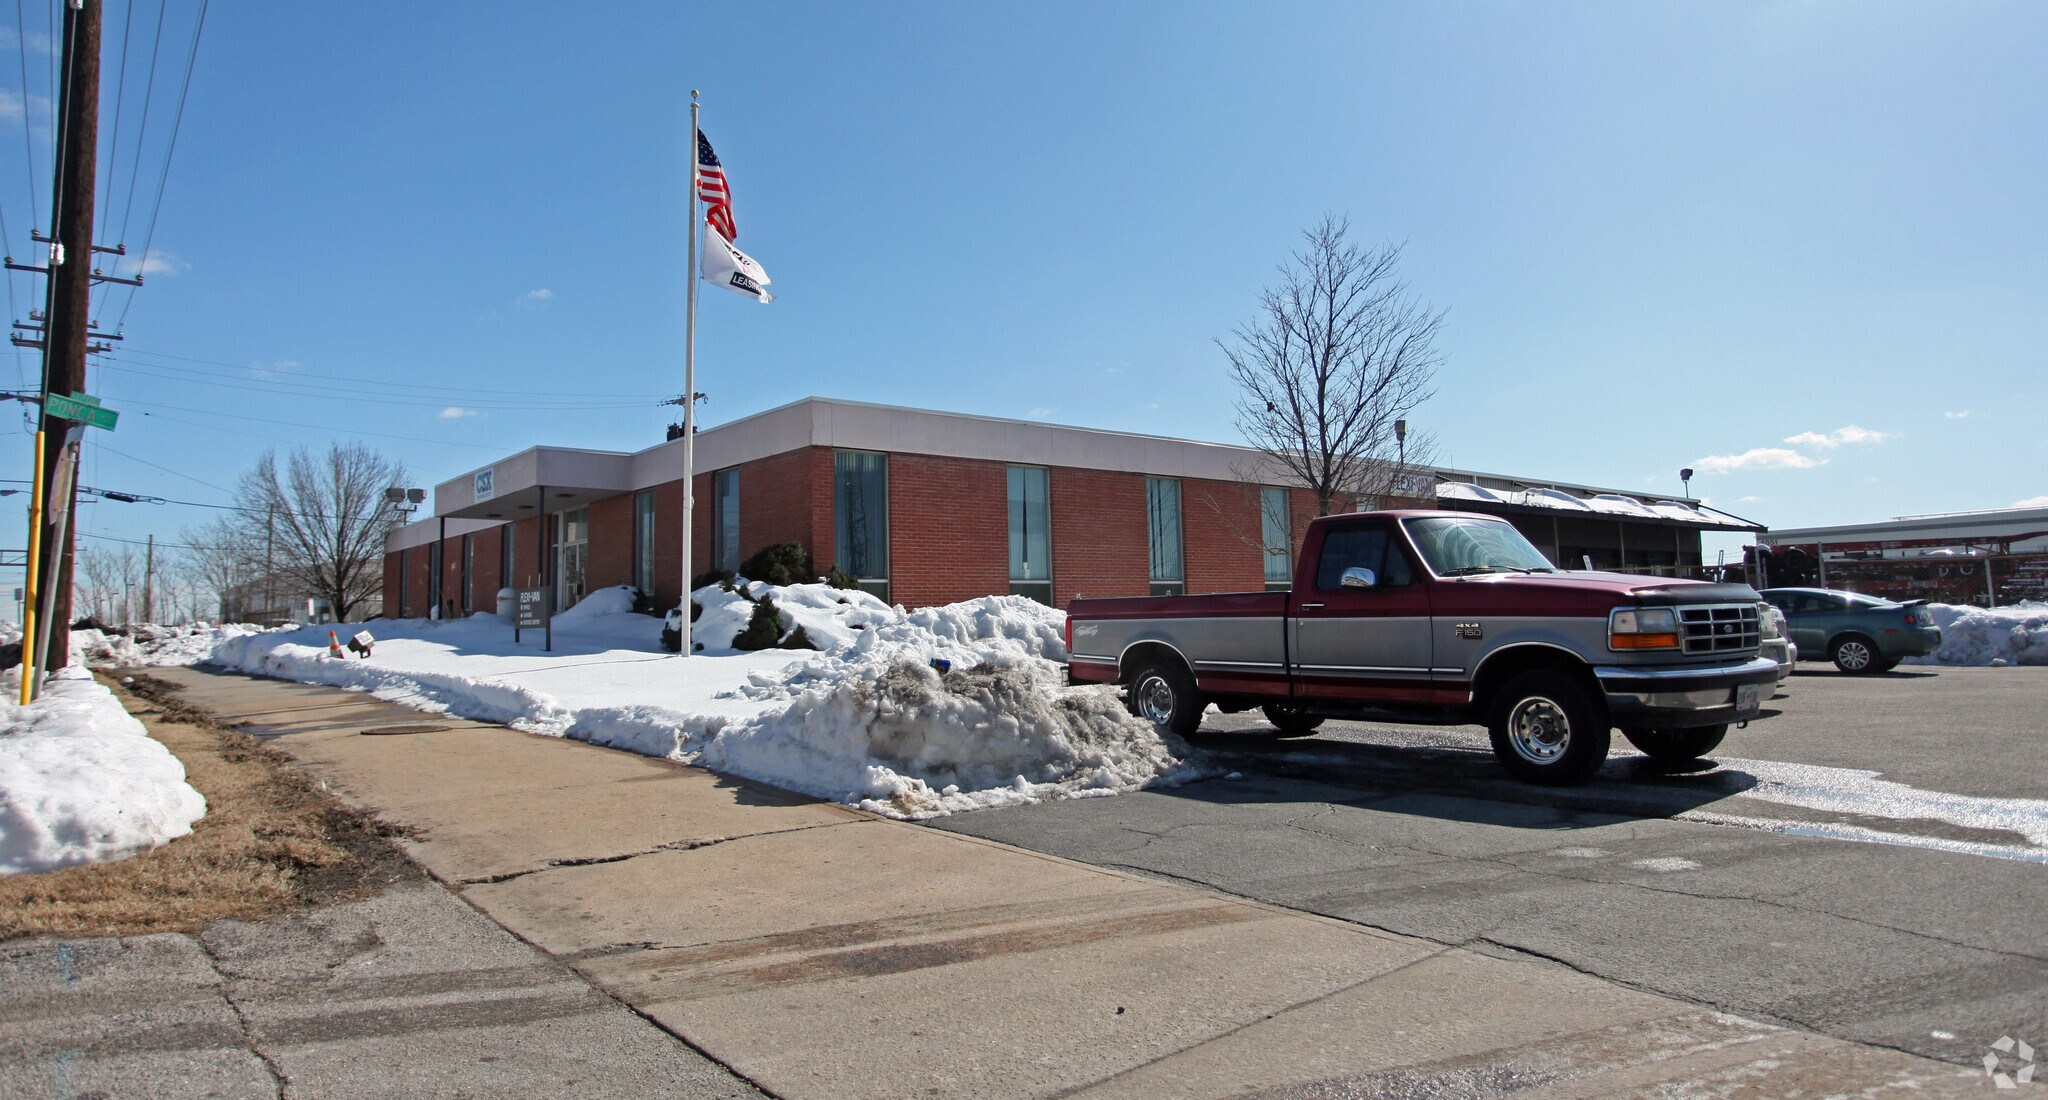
[1797,247]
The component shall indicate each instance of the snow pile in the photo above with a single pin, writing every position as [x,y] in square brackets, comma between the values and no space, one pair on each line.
[2016,635]
[869,719]
[81,781]
[149,644]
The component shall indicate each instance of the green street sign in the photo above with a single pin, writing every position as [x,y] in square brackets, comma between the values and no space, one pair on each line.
[81,407]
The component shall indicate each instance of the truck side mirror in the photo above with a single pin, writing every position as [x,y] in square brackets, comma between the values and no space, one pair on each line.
[1358,576]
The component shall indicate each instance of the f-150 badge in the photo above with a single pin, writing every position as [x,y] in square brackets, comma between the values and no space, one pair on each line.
[1470,630]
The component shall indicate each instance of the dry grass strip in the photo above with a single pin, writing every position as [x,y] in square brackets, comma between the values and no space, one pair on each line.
[271,841]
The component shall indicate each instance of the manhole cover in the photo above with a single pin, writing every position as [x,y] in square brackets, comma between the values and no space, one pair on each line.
[391,731]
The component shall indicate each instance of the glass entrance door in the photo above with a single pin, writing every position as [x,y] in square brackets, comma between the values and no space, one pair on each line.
[572,557]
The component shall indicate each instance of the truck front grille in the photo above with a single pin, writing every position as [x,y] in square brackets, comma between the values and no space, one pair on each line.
[1719,628]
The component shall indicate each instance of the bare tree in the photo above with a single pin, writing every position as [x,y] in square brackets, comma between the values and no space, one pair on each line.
[330,516]
[218,560]
[1338,355]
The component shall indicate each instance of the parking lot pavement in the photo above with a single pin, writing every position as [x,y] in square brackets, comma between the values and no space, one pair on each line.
[1701,884]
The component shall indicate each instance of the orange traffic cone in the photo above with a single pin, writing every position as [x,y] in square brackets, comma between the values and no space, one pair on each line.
[334,646]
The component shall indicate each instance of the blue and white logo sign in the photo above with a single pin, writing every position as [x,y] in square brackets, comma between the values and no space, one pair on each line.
[483,485]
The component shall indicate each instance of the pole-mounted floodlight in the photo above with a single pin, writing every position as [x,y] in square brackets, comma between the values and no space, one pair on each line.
[1685,479]
[404,501]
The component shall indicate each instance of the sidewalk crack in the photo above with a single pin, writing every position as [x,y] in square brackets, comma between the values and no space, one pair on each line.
[671,846]
[280,1081]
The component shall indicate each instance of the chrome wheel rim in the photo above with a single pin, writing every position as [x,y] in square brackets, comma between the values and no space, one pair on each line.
[1853,656]
[1539,730]
[1154,697]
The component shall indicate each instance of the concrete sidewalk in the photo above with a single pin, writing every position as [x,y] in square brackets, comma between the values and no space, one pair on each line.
[821,952]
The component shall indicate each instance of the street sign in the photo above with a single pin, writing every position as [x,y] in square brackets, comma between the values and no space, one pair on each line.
[81,407]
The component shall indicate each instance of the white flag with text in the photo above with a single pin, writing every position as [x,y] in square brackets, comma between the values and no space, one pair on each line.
[732,269]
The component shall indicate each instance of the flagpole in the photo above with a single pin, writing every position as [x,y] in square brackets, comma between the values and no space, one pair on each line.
[690,385]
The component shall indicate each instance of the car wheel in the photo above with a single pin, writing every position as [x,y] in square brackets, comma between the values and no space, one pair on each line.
[1548,729]
[1855,654]
[1687,744]
[1886,665]
[1290,719]
[1163,693]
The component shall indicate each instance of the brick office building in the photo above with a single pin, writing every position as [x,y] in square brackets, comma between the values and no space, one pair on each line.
[929,508]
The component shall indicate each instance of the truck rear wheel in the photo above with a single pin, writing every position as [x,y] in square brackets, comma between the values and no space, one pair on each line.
[1291,719]
[1547,729]
[1163,692]
[1677,744]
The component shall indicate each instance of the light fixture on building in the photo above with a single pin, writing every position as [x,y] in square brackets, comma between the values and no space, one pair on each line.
[404,501]
[1685,479]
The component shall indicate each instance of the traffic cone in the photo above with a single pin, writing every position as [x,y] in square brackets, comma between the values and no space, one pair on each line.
[334,646]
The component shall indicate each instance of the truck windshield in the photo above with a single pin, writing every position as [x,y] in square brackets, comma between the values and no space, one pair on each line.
[1460,546]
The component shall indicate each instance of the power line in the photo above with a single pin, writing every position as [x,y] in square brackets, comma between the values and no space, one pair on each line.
[27,116]
[177,123]
[241,371]
[142,132]
[354,393]
[165,469]
[120,96]
[317,427]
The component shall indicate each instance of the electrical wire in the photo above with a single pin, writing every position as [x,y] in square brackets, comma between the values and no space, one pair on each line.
[346,393]
[142,132]
[27,116]
[177,124]
[241,371]
[318,427]
[120,97]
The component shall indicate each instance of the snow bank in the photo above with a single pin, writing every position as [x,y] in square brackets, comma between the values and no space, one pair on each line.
[154,645]
[2016,635]
[81,781]
[867,719]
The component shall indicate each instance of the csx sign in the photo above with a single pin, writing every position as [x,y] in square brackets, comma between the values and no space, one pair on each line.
[483,485]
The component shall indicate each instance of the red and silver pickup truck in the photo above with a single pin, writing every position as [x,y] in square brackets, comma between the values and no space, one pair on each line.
[1444,616]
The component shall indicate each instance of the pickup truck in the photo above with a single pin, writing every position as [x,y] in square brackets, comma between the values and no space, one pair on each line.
[1444,616]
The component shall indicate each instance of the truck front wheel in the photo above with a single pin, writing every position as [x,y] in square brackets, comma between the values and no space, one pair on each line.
[1546,729]
[1162,692]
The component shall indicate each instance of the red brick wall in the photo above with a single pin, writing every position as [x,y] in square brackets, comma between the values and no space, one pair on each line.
[1099,545]
[668,545]
[525,552]
[701,520]
[784,498]
[949,530]
[485,567]
[611,542]
[392,579]
[418,574]
[1221,536]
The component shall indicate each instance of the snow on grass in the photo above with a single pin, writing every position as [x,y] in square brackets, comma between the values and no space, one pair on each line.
[2016,635]
[867,719]
[81,781]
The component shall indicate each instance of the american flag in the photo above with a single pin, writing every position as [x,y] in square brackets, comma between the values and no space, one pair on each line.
[712,188]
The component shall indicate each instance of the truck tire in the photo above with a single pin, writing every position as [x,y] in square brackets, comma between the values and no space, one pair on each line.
[1548,729]
[1163,692]
[1690,744]
[1290,719]
[1854,654]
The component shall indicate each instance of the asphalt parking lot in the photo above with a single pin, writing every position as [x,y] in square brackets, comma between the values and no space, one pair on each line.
[1870,862]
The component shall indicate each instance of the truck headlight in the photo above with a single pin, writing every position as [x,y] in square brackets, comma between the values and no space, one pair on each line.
[1642,628]
[1769,627]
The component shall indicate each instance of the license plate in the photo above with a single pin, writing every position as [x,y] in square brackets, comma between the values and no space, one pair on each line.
[1746,696]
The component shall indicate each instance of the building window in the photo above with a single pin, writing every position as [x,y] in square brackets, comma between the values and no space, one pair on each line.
[643,542]
[506,544]
[434,580]
[1030,534]
[468,575]
[860,518]
[1162,522]
[1275,534]
[572,557]
[725,520]
[403,580]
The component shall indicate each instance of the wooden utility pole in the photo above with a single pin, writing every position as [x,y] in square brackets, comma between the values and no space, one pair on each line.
[149,581]
[70,286]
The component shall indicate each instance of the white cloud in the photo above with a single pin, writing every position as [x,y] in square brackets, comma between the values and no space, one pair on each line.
[2032,502]
[1039,413]
[1748,500]
[158,262]
[534,299]
[11,107]
[275,368]
[1962,414]
[457,412]
[1758,458]
[1833,439]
